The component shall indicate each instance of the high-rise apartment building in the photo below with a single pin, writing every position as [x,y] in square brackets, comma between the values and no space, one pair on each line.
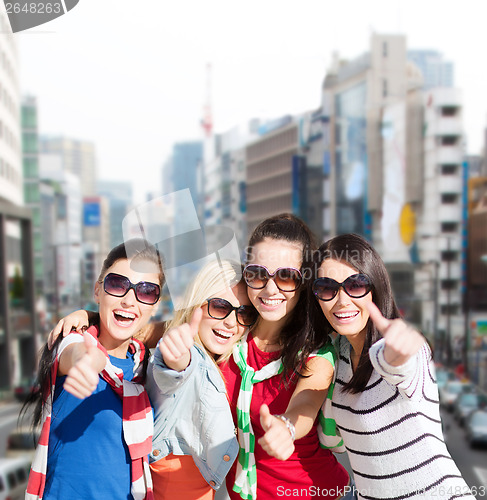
[18,345]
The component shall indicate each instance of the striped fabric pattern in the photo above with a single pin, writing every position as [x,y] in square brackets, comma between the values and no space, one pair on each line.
[137,420]
[392,430]
[328,433]
[246,475]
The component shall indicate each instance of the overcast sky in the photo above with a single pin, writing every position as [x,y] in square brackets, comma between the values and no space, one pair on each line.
[130,75]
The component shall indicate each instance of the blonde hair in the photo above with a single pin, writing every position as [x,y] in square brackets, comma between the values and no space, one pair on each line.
[213,278]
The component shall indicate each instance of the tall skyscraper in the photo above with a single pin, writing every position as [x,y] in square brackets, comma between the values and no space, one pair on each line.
[77,157]
[18,345]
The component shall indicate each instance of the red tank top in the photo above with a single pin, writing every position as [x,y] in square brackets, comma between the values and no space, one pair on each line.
[311,470]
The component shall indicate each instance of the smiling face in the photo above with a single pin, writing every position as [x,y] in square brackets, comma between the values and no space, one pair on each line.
[347,316]
[122,317]
[273,304]
[219,335]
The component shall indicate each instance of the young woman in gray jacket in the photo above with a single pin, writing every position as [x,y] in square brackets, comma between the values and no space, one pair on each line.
[194,443]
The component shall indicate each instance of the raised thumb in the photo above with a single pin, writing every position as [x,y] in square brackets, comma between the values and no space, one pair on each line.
[265,417]
[88,341]
[195,321]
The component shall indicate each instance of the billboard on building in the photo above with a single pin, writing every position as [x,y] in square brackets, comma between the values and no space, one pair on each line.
[398,219]
[91,212]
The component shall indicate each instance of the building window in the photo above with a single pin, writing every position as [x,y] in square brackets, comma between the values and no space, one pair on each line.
[449,140]
[449,284]
[449,110]
[449,169]
[449,227]
[451,309]
[384,88]
[449,255]
[384,49]
[449,198]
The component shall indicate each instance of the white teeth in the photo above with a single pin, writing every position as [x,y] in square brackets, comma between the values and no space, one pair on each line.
[125,314]
[346,315]
[222,333]
[271,302]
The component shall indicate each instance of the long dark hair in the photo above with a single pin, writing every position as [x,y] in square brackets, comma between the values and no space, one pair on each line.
[137,250]
[359,253]
[298,336]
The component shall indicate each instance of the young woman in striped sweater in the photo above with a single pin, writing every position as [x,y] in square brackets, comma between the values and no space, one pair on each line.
[385,399]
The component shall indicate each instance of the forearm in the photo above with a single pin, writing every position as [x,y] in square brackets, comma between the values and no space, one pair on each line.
[303,418]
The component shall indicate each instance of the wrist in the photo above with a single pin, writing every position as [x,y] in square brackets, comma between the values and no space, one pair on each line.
[289,425]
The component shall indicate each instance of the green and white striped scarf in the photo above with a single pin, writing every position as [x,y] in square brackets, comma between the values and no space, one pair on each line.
[246,477]
[328,433]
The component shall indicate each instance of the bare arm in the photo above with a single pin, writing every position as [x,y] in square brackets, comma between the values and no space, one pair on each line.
[302,410]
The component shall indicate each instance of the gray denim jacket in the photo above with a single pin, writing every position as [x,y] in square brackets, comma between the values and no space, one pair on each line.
[192,415]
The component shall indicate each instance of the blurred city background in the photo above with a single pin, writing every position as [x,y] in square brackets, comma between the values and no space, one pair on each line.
[382,152]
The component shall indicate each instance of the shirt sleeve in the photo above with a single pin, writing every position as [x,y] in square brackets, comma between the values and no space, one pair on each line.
[413,379]
[168,381]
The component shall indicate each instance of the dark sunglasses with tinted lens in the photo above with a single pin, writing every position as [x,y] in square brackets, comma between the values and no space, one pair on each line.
[118,286]
[221,308]
[355,286]
[287,279]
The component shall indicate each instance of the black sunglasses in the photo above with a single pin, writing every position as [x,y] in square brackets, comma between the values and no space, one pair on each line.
[287,279]
[221,308]
[355,286]
[118,286]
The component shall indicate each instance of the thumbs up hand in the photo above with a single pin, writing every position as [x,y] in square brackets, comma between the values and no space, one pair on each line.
[176,343]
[82,378]
[401,340]
[277,440]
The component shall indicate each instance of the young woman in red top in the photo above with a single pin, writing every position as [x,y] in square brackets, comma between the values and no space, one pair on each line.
[279,263]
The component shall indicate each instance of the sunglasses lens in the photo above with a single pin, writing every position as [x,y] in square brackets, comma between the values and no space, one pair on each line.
[256,276]
[116,285]
[325,288]
[219,308]
[288,279]
[357,285]
[147,292]
[247,315]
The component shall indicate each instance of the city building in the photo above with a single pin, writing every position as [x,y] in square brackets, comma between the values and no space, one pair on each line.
[224,181]
[66,244]
[32,197]
[436,71]
[392,157]
[96,241]
[273,169]
[120,201]
[77,157]
[18,321]
[183,170]
[441,218]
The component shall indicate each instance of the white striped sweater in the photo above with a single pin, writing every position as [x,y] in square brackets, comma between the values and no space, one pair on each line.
[392,430]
